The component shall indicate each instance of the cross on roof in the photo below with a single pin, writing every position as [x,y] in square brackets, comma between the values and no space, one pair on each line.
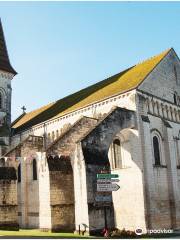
[24,109]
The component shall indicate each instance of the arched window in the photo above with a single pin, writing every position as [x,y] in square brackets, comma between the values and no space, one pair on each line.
[19,173]
[34,170]
[156,148]
[117,159]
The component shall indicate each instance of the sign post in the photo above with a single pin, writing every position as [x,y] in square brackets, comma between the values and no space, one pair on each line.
[107,187]
[106,183]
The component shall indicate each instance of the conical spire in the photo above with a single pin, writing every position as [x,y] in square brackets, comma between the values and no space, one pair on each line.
[5,64]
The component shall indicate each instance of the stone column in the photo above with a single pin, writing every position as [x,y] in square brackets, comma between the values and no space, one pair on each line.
[80,191]
[148,172]
[44,193]
[24,193]
[174,196]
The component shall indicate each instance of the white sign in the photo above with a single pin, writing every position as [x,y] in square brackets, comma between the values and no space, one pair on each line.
[107,180]
[107,187]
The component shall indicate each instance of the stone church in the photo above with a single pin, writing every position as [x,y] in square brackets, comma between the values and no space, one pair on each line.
[127,124]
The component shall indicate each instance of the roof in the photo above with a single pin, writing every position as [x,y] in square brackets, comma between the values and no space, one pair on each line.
[5,64]
[24,118]
[124,81]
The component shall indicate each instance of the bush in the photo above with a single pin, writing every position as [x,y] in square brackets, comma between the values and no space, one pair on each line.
[122,233]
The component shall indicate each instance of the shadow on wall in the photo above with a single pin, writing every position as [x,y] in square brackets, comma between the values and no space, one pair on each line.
[95,148]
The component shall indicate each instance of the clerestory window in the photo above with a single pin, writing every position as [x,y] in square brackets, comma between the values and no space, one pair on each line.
[156,148]
[117,158]
[34,170]
[19,173]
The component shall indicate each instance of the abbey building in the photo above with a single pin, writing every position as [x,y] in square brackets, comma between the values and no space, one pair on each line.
[128,124]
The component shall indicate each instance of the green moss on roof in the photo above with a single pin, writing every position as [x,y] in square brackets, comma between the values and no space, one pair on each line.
[29,116]
[119,83]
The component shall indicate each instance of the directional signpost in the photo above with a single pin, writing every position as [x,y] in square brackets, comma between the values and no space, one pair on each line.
[102,180]
[107,175]
[106,183]
[108,187]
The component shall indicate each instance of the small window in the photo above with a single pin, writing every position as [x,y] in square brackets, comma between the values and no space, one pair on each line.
[175,98]
[117,159]
[49,137]
[19,173]
[1,100]
[53,136]
[156,148]
[57,134]
[34,170]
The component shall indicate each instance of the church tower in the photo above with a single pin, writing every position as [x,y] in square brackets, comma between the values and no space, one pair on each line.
[6,75]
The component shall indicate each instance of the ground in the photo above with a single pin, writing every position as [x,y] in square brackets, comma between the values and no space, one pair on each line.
[48,235]
[37,233]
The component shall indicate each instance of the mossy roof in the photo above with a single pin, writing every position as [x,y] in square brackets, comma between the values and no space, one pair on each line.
[124,81]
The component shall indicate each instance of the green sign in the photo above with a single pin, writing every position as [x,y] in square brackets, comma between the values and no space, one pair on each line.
[107,175]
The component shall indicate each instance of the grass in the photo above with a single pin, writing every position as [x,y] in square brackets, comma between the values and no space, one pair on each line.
[37,233]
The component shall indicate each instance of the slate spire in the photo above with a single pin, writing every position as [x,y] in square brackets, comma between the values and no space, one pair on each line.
[5,64]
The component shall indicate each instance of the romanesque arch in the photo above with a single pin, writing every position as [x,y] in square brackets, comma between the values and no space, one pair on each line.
[95,147]
[96,144]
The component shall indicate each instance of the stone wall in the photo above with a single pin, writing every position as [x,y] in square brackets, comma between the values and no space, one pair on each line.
[161,183]
[61,194]
[28,188]
[127,215]
[62,185]
[158,113]
[95,148]
[8,199]
[65,144]
[164,80]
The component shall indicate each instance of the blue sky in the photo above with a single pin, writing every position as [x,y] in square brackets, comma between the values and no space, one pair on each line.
[58,48]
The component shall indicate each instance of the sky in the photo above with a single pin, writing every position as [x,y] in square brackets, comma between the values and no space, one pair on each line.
[58,48]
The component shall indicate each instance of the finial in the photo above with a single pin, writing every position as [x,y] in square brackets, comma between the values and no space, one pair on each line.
[24,109]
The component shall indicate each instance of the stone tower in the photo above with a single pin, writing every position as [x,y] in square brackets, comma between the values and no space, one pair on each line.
[6,75]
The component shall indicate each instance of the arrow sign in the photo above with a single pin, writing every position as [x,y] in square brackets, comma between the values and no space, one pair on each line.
[105,180]
[107,175]
[107,187]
